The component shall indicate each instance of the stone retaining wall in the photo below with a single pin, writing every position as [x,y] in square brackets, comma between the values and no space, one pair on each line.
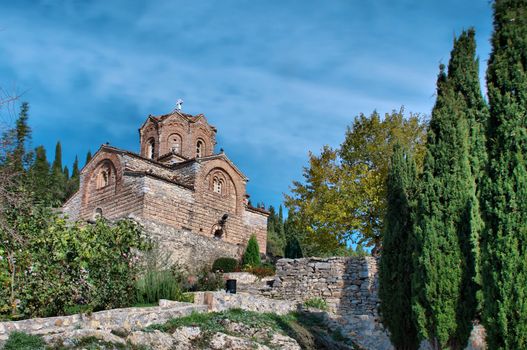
[133,318]
[221,301]
[348,285]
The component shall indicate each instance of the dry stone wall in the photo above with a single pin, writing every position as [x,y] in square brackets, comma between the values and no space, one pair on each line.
[348,285]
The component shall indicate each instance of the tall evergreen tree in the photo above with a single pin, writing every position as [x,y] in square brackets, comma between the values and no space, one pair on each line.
[22,134]
[58,177]
[396,262]
[73,182]
[39,177]
[448,220]
[88,157]
[504,239]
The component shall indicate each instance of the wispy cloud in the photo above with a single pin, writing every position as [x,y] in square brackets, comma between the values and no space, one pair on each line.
[276,77]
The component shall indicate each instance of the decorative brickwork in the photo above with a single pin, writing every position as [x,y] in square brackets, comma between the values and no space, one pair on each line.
[169,185]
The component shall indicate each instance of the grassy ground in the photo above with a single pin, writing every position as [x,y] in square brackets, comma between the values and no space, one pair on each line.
[306,328]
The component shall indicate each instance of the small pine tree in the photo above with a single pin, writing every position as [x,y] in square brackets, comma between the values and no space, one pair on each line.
[396,260]
[504,239]
[251,256]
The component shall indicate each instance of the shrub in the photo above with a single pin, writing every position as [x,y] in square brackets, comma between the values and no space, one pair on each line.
[206,281]
[262,271]
[251,257]
[225,265]
[155,285]
[317,303]
[23,341]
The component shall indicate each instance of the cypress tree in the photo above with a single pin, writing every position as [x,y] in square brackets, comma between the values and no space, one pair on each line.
[39,175]
[22,134]
[396,262]
[293,250]
[504,239]
[58,177]
[73,182]
[88,157]
[444,282]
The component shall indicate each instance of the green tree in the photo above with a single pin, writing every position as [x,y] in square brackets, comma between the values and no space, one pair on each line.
[23,133]
[251,256]
[88,157]
[343,195]
[504,239]
[58,177]
[448,220]
[395,267]
[39,177]
[73,182]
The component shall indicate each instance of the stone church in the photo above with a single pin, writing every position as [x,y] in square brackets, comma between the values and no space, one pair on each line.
[186,193]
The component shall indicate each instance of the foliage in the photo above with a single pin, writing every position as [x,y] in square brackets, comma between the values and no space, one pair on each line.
[293,249]
[448,223]
[59,265]
[208,281]
[159,280]
[261,271]
[317,303]
[343,196]
[276,233]
[225,264]
[395,267]
[505,191]
[23,341]
[252,253]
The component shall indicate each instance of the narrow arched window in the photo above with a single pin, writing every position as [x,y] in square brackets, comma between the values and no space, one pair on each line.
[150,150]
[217,185]
[174,143]
[102,179]
[97,214]
[199,149]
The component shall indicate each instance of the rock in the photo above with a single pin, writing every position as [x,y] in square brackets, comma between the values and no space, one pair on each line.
[284,342]
[155,340]
[71,338]
[222,341]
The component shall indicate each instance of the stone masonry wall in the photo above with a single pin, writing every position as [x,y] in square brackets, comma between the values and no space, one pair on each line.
[348,285]
[187,248]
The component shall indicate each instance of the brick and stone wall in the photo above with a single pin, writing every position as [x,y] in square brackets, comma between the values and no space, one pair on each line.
[348,285]
[186,248]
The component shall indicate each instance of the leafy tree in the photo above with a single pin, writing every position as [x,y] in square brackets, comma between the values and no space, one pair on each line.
[251,256]
[395,267]
[448,219]
[343,196]
[504,239]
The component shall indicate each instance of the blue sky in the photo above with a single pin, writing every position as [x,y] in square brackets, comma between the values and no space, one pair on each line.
[277,78]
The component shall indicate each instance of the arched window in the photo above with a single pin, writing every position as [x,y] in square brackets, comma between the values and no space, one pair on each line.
[150,150]
[174,143]
[103,178]
[217,185]
[199,149]
[97,214]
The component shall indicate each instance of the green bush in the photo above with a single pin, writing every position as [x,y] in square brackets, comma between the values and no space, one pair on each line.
[59,265]
[155,285]
[23,341]
[225,265]
[317,303]
[261,271]
[207,281]
[251,257]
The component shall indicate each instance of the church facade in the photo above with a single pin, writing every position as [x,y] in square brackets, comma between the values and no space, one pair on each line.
[177,181]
